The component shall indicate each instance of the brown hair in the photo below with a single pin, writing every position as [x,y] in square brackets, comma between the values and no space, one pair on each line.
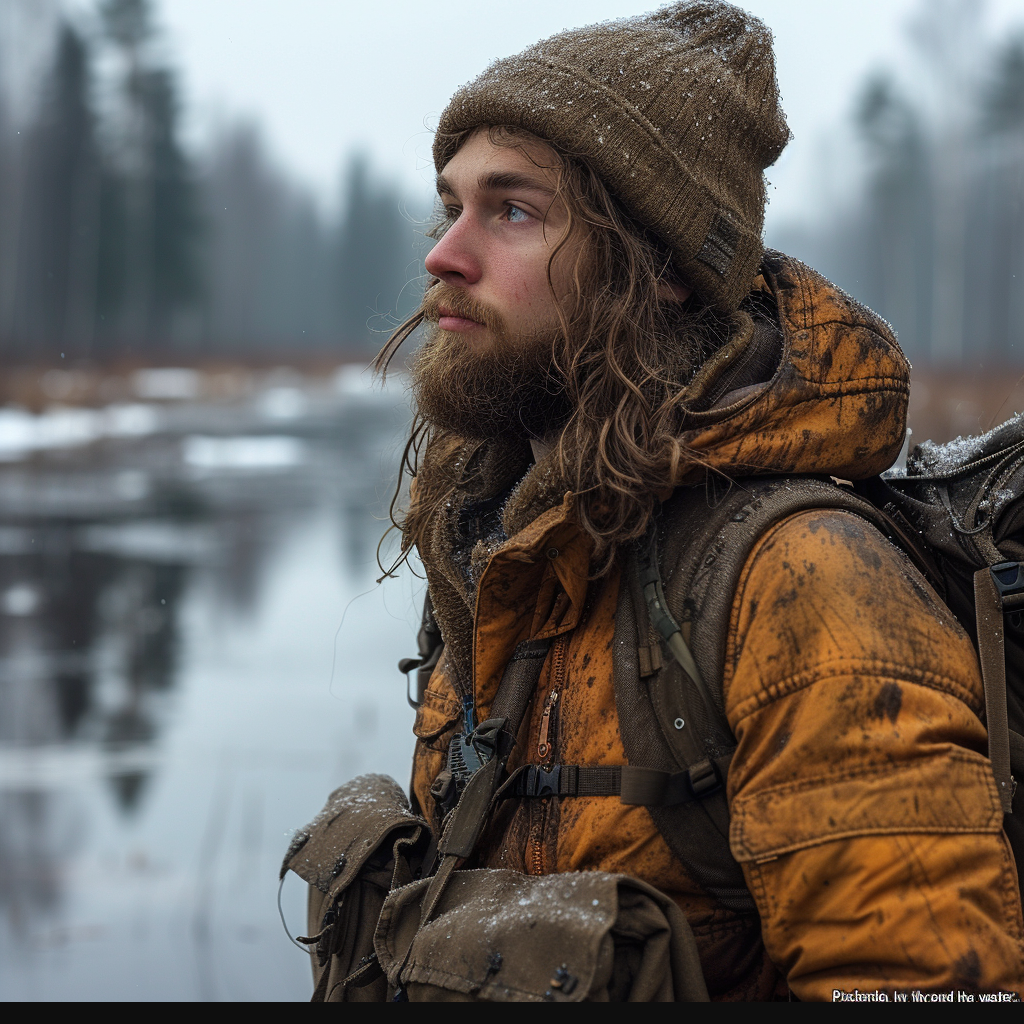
[625,353]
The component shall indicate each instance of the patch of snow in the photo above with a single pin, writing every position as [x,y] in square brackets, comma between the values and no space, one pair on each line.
[21,432]
[152,541]
[131,420]
[20,600]
[167,383]
[283,403]
[243,453]
[353,380]
[931,459]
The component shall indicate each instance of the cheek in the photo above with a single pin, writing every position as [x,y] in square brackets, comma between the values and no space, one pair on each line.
[524,281]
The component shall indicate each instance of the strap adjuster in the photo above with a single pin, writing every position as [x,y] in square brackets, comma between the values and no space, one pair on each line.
[1008,577]
[704,779]
[1009,580]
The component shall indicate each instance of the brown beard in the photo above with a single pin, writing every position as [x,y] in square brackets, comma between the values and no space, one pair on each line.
[511,389]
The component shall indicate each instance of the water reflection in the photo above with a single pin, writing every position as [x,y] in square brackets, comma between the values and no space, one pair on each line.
[169,597]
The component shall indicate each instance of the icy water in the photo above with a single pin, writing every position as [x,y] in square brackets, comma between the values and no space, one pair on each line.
[193,653]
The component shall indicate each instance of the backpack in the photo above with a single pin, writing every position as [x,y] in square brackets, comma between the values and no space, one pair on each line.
[957,512]
[961,505]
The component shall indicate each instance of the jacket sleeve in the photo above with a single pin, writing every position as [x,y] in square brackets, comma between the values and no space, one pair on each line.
[864,811]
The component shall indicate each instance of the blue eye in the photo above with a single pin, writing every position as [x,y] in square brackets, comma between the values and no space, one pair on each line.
[515,215]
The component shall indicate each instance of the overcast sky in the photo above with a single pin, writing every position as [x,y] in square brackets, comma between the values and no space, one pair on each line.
[325,76]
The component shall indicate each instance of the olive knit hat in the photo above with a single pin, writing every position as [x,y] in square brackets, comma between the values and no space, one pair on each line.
[677,111]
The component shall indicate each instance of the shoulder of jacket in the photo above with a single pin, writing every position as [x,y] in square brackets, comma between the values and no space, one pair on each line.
[821,564]
[832,547]
[842,527]
[824,593]
[706,542]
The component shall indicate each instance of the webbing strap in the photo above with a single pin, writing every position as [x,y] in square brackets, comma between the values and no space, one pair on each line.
[467,820]
[660,617]
[988,606]
[652,788]
[563,780]
[518,683]
[692,832]
[649,787]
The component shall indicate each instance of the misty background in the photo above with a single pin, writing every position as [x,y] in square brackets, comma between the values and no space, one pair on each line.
[931,233]
[118,237]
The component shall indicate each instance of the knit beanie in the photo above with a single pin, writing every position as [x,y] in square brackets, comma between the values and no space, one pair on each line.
[677,111]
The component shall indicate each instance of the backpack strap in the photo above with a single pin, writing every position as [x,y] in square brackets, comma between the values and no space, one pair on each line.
[997,587]
[646,787]
[679,590]
[648,709]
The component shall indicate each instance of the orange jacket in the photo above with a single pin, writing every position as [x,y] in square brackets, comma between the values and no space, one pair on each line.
[863,808]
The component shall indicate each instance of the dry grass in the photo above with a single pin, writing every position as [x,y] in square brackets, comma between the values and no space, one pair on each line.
[91,385]
[950,403]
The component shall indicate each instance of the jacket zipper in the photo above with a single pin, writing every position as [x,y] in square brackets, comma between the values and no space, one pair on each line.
[546,742]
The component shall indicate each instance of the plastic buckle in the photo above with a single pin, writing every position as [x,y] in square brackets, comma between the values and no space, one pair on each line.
[704,779]
[1008,577]
[542,781]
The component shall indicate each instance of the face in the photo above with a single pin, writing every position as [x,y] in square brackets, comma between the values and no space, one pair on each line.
[504,224]
[486,369]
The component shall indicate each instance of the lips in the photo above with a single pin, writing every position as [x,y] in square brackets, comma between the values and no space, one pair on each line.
[447,313]
[452,310]
[449,320]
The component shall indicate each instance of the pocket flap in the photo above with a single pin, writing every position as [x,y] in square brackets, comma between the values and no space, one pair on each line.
[503,936]
[950,791]
[330,851]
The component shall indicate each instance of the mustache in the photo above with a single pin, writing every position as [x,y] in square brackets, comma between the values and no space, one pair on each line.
[441,299]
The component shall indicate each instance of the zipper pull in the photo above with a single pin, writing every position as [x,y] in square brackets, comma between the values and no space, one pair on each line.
[543,747]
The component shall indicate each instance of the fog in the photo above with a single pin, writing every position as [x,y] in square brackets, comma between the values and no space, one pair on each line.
[118,240]
[126,230]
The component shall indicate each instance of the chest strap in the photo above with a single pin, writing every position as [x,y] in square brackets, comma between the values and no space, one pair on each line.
[632,784]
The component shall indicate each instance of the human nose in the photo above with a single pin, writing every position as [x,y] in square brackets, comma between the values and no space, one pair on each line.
[455,258]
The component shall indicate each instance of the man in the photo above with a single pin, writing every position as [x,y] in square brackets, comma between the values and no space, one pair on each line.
[605,327]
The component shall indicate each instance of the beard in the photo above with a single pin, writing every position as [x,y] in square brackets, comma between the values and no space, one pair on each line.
[511,389]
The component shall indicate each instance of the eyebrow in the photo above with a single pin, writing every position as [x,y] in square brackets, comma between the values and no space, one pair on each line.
[500,181]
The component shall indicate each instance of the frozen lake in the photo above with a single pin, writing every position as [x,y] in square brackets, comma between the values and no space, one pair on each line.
[193,653]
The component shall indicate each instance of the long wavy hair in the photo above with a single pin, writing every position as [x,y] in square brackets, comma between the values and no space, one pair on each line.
[625,352]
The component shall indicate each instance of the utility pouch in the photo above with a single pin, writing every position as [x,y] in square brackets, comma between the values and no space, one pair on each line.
[500,936]
[365,842]
[490,935]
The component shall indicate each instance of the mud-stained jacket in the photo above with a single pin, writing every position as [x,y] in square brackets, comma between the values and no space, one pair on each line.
[863,809]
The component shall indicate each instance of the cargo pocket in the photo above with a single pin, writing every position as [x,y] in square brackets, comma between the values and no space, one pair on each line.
[948,792]
[363,843]
[501,936]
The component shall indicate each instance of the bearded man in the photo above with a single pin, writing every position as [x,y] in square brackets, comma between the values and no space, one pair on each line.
[604,328]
